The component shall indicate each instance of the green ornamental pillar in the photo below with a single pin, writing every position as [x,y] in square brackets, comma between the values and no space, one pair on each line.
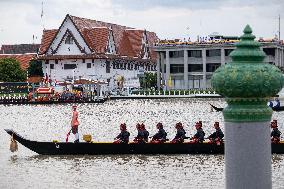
[247,83]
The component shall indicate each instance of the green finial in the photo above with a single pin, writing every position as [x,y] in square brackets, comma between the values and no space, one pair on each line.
[247,82]
[247,29]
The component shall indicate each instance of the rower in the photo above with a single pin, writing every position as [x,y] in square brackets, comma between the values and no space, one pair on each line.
[217,136]
[180,135]
[199,135]
[75,123]
[140,136]
[123,137]
[275,133]
[160,136]
[145,132]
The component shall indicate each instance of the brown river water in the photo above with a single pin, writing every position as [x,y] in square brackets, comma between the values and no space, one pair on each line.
[26,169]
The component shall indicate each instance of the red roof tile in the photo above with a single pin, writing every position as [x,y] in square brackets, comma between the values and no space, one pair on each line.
[23,59]
[47,37]
[97,38]
[125,47]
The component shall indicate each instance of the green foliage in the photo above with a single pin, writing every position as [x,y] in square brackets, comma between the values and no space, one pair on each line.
[149,80]
[35,68]
[10,71]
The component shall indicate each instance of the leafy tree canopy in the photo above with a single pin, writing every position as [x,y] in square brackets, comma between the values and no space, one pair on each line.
[149,80]
[10,71]
[35,68]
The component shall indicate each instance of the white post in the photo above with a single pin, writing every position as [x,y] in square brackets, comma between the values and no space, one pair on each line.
[185,71]
[222,56]
[163,68]
[204,67]
[158,71]
[167,69]
[247,116]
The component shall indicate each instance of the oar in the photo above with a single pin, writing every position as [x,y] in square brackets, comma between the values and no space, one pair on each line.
[67,136]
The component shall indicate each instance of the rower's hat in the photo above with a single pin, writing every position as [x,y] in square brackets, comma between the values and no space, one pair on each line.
[198,124]
[275,121]
[160,124]
[138,125]
[216,123]
[74,106]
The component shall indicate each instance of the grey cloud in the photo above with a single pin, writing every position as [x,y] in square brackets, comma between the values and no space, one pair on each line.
[146,4]
[192,4]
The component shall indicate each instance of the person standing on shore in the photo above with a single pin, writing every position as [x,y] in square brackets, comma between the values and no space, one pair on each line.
[75,123]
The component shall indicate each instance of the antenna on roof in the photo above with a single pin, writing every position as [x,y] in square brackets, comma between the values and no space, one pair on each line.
[279,28]
[41,15]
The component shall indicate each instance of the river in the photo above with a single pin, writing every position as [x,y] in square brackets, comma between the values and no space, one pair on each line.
[26,169]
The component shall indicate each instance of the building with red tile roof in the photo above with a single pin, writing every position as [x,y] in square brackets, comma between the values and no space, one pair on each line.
[24,53]
[20,49]
[85,48]
[24,59]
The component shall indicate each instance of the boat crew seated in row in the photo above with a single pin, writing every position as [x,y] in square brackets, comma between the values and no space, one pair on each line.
[275,133]
[161,135]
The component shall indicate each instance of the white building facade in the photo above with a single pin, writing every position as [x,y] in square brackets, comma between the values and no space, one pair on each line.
[191,66]
[90,49]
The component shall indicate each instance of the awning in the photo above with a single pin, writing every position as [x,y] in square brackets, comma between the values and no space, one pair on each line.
[45,90]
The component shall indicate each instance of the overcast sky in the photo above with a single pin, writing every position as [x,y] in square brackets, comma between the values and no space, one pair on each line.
[20,19]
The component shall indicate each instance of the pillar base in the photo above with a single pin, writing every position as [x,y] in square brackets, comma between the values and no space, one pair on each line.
[248,155]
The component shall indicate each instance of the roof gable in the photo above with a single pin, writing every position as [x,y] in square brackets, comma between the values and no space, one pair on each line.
[68,24]
[64,48]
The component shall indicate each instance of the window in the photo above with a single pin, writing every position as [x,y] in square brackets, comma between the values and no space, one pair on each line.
[47,62]
[269,51]
[89,65]
[83,60]
[228,51]
[195,53]
[176,54]
[212,67]
[69,40]
[176,68]
[51,66]
[195,68]
[69,66]
[107,67]
[213,52]
[56,61]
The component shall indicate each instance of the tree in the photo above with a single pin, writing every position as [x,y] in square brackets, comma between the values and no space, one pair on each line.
[35,68]
[149,80]
[10,71]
